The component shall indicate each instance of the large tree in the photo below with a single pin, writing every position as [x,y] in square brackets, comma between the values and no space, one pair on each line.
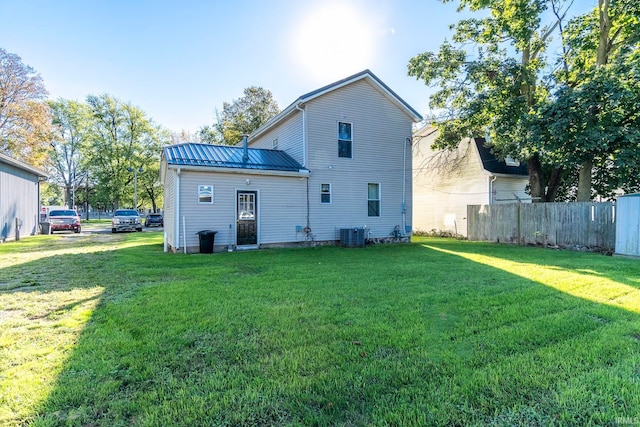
[241,116]
[124,140]
[73,130]
[25,122]
[493,88]
[594,113]
[568,123]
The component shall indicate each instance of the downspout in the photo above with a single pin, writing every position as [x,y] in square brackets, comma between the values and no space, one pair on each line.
[304,158]
[491,179]
[304,135]
[308,219]
[176,219]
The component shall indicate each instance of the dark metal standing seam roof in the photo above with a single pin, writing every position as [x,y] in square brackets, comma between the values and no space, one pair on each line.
[492,164]
[224,156]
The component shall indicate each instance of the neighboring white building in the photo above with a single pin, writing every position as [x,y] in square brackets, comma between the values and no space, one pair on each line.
[627,217]
[446,181]
[19,198]
[336,158]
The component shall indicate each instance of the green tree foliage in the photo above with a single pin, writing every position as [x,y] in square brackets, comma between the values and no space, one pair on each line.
[494,88]
[241,116]
[72,123]
[25,122]
[495,79]
[123,139]
[594,114]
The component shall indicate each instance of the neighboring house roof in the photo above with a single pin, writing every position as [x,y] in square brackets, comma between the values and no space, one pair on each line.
[494,165]
[224,156]
[23,166]
[366,75]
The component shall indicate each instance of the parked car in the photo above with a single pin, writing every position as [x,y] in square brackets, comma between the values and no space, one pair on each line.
[154,219]
[126,220]
[64,220]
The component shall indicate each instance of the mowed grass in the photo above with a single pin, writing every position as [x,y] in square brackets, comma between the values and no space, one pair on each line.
[107,330]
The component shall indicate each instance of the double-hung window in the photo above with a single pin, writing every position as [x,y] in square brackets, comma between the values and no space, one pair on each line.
[345,140]
[325,193]
[205,193]
[373,199]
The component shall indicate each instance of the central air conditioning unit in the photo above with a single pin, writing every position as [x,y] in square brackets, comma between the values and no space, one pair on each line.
[352,237]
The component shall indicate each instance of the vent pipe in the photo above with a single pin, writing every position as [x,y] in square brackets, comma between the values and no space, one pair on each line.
[245,145]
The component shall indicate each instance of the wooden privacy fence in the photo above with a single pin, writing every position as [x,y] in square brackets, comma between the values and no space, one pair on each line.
[558,224]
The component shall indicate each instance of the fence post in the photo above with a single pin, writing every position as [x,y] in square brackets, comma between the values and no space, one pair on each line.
[519,232]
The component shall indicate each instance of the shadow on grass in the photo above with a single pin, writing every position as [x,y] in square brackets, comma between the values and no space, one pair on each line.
[387,335]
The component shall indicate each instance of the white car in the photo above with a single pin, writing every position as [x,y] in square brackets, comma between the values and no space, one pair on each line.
[126,220]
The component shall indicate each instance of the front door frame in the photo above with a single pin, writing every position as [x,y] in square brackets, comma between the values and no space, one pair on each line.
[240,239]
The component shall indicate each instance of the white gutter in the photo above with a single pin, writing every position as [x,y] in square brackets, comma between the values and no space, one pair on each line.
[304,135]
[176,219]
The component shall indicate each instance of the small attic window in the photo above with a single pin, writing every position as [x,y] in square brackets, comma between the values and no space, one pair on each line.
[274,145]
[510,161]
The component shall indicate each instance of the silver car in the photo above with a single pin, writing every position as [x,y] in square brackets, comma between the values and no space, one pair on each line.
[126,220]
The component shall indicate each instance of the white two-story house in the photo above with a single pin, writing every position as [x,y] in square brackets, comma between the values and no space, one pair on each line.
[337,158]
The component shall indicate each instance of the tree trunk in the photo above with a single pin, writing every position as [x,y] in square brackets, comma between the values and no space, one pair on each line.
[67,196]
[536,179]
[602,57]
[584,181]
[554,184]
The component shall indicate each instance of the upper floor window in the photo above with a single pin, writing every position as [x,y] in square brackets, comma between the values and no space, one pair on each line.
[275,144]
[373,199]
[510,161]
[325,193]
[345,140]
[205,193]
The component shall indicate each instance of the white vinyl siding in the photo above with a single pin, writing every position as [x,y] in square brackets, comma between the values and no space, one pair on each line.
[19,192]
[281,206]
[379,129]
[445,182]
[510,189]
[169,203]
[288,135]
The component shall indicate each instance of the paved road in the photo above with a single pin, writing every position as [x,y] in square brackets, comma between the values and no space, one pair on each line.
[107,229]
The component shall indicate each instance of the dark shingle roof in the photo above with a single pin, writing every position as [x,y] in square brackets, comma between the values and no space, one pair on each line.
[224,156]
[492,164]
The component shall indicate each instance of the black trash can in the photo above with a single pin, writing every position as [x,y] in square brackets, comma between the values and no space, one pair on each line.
[45,228]
[207,238]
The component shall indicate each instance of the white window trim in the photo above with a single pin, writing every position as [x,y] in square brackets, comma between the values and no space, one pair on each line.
[200,202]
[379,199]
[330,193]
[510,161]
[274,144]
[339,139]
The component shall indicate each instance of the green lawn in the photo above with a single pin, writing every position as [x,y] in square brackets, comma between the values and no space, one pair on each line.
[107,330]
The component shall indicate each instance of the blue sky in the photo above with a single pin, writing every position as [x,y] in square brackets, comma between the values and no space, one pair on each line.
[180,60]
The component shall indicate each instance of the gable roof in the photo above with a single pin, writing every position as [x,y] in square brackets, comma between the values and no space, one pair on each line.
[363,75]
[492,164]
[224,156]
[23,166]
